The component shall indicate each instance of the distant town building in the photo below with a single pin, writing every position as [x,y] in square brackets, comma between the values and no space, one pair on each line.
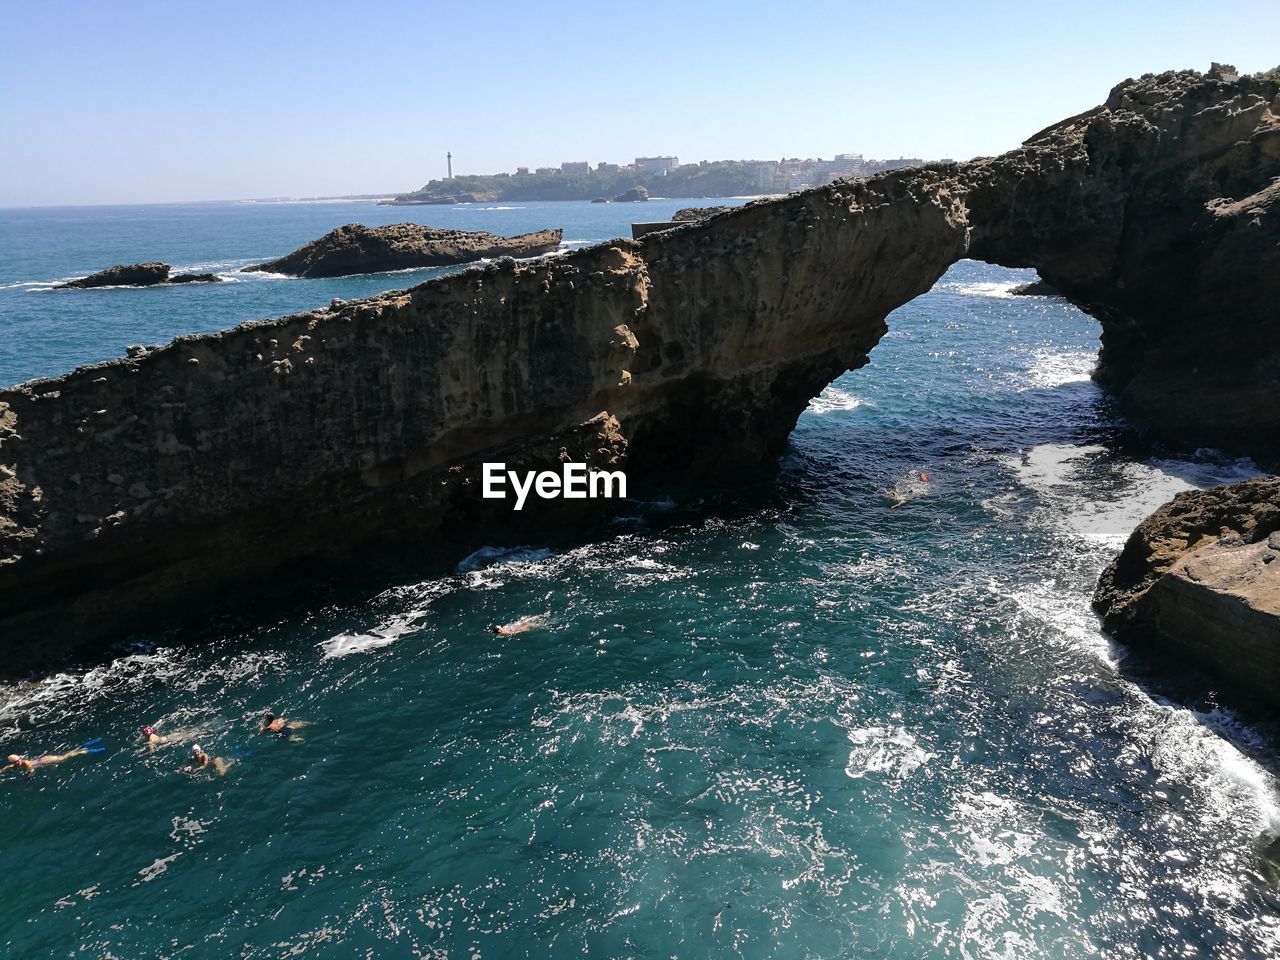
[522,171]
[786,175]
[662,165]
[546,170]
[603,167]
[575,166]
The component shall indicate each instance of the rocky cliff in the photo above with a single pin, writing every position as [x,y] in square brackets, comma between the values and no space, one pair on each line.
[155,483]
[1159,213]
[400,246]
[1200,578]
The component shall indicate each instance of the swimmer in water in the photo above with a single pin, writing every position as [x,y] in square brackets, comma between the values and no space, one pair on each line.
[279,725]
[202,761]
[28,764]
[521,625]
[153,739]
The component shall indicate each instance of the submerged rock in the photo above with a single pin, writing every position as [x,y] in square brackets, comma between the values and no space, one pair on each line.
[634,195]
[1200,579]
[359,249]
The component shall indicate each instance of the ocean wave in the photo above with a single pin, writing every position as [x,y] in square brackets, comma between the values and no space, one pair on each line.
[999,289]
[834,398]
[1087,493]
[1050,368]
[884,750]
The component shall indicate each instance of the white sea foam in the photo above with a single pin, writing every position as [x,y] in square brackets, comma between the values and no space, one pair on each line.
[999,290]
[345,644]
[887,750]
[1052,368]
[833,398]
[488,556]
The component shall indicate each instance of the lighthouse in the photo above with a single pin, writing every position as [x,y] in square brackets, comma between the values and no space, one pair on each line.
[449,160]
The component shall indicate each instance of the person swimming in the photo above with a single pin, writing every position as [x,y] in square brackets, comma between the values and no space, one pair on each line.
[200,760]
[27,765]
[521,625]
[152,738]
[279,725]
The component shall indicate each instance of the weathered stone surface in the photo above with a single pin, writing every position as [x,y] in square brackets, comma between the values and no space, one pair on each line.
[1036,288]
[1159,213]
[400,246]
[122,275]
[691,214]
[632,196]
[151,483]
[1200,578]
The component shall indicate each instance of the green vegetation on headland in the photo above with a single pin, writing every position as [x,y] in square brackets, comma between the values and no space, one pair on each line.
[726,178]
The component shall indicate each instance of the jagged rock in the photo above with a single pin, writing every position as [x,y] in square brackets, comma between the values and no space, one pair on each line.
[1036,288]
[122,275]
[690,214]
[633,195]
[195,278]
[359,249]
[1159,213]
[1200,579]
[600,200]
[148,485]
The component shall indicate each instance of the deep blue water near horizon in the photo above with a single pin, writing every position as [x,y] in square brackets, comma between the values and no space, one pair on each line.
[821,728]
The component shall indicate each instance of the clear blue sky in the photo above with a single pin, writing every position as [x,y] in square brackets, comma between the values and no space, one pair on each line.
[119,102]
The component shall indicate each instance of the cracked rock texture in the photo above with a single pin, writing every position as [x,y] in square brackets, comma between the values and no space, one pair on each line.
[1200,578]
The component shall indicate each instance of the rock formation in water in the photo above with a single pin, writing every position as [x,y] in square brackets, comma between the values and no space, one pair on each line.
[150,274]
[1159,213]
[156,483]
[1200,578]
[400,246]
[635,194]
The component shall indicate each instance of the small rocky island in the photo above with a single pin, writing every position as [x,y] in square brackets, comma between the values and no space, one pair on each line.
[1200,579]
[402,246]
[150,274]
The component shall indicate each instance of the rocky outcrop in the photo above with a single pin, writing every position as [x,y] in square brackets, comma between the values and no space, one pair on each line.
[400,246]
[1200,579]
[1159,213]
[150,274]
[156,483]
[635,194]
[691,214]
[209,467]
[1036,288]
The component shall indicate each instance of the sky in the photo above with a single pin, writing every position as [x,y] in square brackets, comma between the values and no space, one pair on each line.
[140,102]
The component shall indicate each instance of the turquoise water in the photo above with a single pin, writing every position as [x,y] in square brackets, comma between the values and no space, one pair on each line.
[808,727]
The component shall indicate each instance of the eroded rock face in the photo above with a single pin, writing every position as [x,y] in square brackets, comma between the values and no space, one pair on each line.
[152,483]
[1200,578]
[691,214]
[633,195]
[1159,213]
[400,246]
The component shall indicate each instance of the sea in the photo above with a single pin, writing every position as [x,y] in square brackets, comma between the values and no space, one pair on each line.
[865,713]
